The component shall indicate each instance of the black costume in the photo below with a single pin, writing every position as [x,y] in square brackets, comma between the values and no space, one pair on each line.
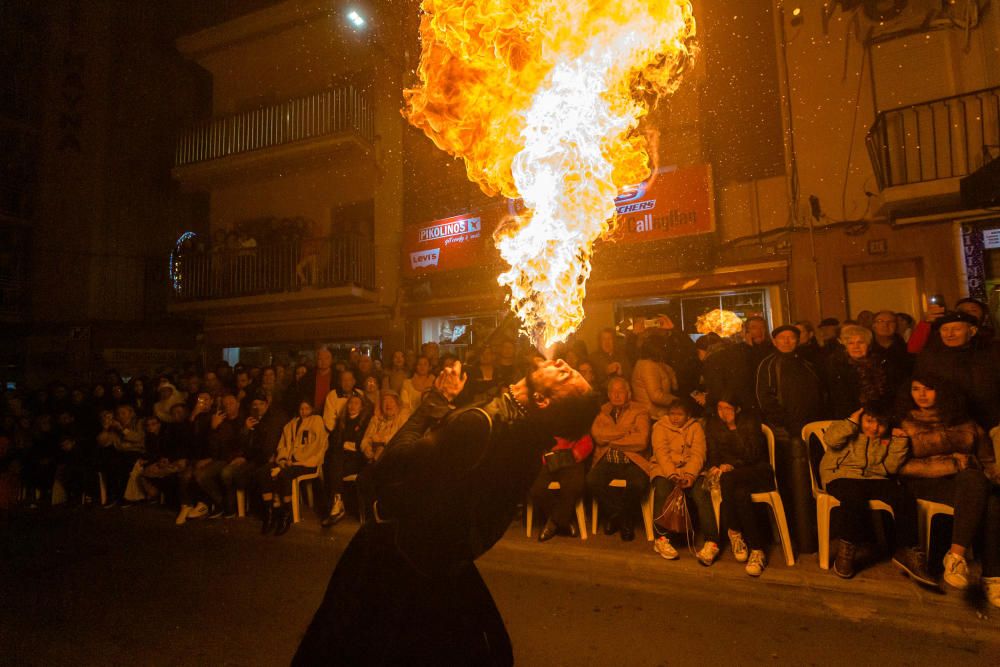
[406,590]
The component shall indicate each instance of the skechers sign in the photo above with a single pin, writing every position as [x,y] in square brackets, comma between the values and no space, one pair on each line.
[443,245]
[674,202]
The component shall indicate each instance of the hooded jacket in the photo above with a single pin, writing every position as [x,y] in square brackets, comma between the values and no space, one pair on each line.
[851,454]
[303,442]
[678,450]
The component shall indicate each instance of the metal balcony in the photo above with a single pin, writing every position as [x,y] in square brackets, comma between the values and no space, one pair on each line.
[274,268]
[339,111]
[940,139]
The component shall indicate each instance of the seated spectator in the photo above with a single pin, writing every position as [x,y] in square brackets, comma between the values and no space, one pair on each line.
[299,452]
[217,478]
[858,466]
[621,446]
[943,466]
[790,395]
[259,439]
[73,459]
[41,460]
[343,457]
[167,450]
[956,355]
[991,524]
[563,464]
[121,444]
[610,359]
[678,457]
[854,375]
[738,464]
[654,383]
[199,429]
[380,430]
[366,369]
[372,394]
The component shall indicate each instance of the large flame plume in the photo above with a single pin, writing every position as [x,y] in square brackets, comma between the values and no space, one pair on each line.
[542,99]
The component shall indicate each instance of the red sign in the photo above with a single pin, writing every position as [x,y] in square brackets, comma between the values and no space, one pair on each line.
[674,202]
[443,245]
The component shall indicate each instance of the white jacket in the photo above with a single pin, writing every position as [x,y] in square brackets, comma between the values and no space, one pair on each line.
[303,442]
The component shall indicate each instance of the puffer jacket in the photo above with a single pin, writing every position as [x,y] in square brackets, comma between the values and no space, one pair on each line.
[654,385]
[851,454]
[628,433]
[933,443]
[303,442]
[677,450]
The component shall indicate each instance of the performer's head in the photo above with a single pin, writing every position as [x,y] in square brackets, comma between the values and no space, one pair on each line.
[561,399]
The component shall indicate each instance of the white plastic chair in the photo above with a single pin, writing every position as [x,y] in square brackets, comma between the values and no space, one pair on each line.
[926,511]
[771,498]
[296,491]
[646,505]
[581,516]
[824,501]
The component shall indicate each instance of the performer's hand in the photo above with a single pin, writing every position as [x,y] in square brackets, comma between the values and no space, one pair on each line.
[451,381]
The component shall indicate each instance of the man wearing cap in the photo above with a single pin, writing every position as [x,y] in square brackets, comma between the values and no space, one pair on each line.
[975,369]
[790,395]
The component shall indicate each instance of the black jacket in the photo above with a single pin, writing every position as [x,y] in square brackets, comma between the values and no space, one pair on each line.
[789,391]
[972,369]
[260,444]
[746,446]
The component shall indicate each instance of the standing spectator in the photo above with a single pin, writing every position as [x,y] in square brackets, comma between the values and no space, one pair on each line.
[676,348]
[904,326]
[654,383]
[396,374]
[365,370]
[562,464]
[890,347]
[725,371]
[958,358]
[790,395]
[943,466]
[610,359]
[678,457]
[865,319]
[809,347]
[415,387]
[828,334]
[508,371]
[621,442]
[316,384]
[299,452]
[432,351]
[854,375]
[758,345]
[482,380]
[138,394]
[738,465]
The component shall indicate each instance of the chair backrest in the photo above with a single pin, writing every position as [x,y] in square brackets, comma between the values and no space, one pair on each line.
[769,436]
[817,429]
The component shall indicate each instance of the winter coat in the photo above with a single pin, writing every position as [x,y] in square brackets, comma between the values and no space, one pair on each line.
[677,450]
[654,385]
[726,372]
[333,407]
[629,433]
[789,391]
[932,444]
[853,382]
[745,446]
[897,362]
[260,444]
[380,431]
[851,454]
[303,442]
[972,369]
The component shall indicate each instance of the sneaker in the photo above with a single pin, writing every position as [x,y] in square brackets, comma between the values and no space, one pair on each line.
[663,547]
[956,571]
[182,516]
[991,588]
[708,553]
[338,510]
[232,514]
[843,565]
[108,505]
[756,563]
[199,511]
[913,561]
[739,547]
[217,513]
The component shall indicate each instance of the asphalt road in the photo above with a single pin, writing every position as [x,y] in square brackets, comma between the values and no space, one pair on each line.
[127,587]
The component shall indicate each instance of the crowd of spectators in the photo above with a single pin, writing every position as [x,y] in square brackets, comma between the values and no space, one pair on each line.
[915,410]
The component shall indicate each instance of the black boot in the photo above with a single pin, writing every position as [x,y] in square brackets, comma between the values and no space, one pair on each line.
[283,522]
[265,527]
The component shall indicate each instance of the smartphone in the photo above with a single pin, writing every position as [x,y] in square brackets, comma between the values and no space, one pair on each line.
[936,300]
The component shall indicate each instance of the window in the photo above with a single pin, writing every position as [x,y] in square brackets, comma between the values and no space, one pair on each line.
[684,310]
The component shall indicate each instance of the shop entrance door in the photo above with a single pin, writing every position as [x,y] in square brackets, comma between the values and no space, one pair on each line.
[891,286]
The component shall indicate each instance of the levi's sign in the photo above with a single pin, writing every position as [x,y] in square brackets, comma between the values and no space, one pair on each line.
[443,245]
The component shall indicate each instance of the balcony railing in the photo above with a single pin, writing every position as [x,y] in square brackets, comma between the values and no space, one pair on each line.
[274,268]
[321,114]
[944,138]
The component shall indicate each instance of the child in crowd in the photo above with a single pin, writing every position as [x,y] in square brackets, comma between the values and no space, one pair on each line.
[861,458]
[678,457]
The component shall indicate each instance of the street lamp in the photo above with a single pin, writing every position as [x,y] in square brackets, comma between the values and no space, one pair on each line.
[356,19]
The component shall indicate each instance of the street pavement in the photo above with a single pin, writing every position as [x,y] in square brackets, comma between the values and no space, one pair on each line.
[128,587]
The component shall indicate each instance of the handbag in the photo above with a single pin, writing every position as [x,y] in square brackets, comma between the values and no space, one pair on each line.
[674,517]
[559,459]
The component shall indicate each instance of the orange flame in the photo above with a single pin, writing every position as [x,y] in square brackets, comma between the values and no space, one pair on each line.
[542,99]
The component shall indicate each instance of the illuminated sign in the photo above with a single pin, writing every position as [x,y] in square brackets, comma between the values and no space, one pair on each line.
[444,245]
[674,202]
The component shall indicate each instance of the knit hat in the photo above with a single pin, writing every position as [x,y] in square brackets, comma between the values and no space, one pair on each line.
[785,327]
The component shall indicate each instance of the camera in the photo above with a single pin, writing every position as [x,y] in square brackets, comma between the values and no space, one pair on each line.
[936,300]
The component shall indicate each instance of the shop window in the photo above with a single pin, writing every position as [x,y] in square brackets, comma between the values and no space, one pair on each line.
[684,310]
[457,335]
